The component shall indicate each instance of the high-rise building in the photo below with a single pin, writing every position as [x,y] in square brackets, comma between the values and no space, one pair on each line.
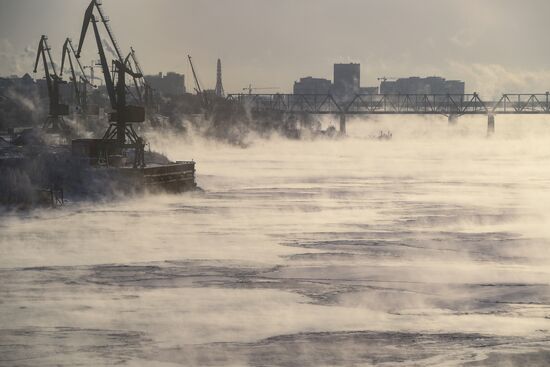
[309,85]
[347,80]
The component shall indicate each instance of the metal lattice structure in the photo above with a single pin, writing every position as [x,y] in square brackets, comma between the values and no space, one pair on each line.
[440,104]
[219,85]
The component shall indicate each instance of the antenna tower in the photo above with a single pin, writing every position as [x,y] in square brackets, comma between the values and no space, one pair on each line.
[219,85]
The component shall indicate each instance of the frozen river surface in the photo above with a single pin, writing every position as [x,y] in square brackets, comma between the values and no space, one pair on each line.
[432,249]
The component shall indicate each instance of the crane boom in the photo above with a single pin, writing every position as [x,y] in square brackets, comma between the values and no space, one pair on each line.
[198,85]
[88,17]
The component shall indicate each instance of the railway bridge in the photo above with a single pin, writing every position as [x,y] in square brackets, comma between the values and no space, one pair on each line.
[450,105]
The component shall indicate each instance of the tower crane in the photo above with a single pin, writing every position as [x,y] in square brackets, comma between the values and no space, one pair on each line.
[120,135]
[198,89]
[250,89]
[80,93]
[54,121]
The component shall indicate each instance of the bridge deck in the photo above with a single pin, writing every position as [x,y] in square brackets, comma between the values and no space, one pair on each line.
[442,104]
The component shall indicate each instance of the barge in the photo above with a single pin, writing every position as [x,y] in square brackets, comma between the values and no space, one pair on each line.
[157,174]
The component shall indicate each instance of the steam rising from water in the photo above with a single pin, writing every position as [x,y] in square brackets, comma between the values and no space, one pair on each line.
[431,249]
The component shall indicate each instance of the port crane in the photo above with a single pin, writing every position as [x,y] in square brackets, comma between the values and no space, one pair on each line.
[198,89]
[79,84]
[250,89]
[97,4]
[54,122]
[120,135]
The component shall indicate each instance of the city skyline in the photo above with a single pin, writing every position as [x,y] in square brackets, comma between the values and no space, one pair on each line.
[274,44]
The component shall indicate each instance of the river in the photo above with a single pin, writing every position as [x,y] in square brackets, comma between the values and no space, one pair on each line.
[430,249]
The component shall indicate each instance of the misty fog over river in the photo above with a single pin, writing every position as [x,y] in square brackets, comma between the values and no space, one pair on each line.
[431,249]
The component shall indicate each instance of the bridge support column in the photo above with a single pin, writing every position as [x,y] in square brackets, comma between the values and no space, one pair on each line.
[453,119]
[490,125]
[343,124]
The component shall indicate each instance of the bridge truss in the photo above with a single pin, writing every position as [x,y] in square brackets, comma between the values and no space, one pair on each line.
[441,104]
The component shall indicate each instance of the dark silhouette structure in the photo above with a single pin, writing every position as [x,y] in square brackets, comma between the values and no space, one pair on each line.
[120,135]
[219,85]
[54,122]
[80,83]
[450,105]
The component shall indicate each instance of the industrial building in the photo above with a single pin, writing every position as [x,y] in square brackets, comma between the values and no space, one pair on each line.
[347,83]
[417,85]
[170,84]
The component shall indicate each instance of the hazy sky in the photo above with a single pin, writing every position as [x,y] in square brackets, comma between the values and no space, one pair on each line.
[494,45]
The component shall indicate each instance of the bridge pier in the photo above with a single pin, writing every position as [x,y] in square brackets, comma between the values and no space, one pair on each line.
[453,119]
[490,125]
[343,124]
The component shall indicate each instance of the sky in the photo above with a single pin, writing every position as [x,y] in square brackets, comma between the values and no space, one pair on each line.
[496,46]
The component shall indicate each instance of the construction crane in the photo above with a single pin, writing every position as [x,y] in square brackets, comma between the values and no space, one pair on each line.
[250,89]
[80,94]
[54,122]
[198,89]
[120,135]
[92,67]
